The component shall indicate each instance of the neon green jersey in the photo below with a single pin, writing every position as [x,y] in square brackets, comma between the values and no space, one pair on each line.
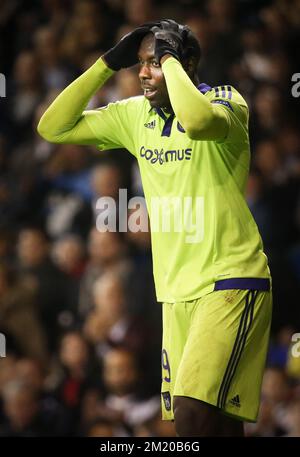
[226,242]
[202,230]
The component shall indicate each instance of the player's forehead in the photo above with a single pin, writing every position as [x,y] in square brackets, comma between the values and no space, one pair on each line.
[146,50]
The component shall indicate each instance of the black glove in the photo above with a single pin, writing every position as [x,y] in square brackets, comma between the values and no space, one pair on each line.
[169,38]
[124,53]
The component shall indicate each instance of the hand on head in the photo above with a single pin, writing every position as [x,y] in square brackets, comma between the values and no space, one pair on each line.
[169,36]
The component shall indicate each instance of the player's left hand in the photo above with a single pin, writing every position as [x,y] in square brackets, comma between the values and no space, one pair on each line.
[168,39]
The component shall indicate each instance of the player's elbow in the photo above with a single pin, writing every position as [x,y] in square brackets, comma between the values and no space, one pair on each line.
[44,131]
[47,133]
[197,127]
[193,134]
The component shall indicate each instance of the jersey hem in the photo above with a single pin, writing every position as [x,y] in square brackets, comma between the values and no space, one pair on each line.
[257,283]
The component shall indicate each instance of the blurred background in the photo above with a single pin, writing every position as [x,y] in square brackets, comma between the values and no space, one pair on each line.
[77,306]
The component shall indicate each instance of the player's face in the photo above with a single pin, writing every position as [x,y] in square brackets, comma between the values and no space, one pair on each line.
[151,76]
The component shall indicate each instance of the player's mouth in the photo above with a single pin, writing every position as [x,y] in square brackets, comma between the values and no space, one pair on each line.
[149,92]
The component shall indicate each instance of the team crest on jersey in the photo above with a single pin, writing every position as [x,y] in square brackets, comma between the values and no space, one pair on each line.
[167,400]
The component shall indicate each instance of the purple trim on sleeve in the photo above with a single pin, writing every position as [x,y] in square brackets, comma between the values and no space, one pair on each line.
[217,91]
[229,92]
[223,91]
[223,102]
[203,88]
[243,284]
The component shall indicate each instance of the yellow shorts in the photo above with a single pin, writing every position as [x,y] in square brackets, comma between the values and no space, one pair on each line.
[214,350]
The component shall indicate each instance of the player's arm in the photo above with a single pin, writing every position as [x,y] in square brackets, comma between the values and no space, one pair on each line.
[66,120]
[200,119]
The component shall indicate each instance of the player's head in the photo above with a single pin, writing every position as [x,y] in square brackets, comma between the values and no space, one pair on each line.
[151,76]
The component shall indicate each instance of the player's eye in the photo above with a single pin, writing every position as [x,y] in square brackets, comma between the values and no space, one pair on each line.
[155,63]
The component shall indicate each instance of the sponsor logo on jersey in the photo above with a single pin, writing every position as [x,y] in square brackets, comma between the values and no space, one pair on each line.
[235,401]
[150,125]
[160,155]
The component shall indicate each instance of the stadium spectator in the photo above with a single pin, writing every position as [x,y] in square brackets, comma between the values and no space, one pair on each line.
[44,278]
[293,419]
[19,317]
[107,251]
[68,253]
[123,401]
[110,323]
[103,427]
[76,376]
[22,412]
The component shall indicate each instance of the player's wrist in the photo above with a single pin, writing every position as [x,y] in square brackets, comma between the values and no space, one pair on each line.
[110,62]
[165,57]
[103,68]
[104,61]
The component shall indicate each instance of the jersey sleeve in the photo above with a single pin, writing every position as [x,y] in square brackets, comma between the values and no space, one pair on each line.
[113,125]
[236,110]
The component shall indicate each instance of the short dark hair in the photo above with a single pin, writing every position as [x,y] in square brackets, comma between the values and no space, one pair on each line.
[191,46]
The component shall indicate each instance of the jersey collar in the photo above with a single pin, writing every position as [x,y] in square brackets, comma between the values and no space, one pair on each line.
[169,117]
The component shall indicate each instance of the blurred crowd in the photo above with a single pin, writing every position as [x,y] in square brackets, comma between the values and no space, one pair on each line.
[77,306]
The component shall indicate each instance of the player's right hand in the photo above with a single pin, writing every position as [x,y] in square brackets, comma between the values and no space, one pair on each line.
[169,39]
[125,53]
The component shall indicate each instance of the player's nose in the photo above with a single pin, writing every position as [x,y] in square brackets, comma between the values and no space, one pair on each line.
[144,72]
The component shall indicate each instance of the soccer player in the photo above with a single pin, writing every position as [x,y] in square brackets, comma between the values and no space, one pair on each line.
[191,143]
